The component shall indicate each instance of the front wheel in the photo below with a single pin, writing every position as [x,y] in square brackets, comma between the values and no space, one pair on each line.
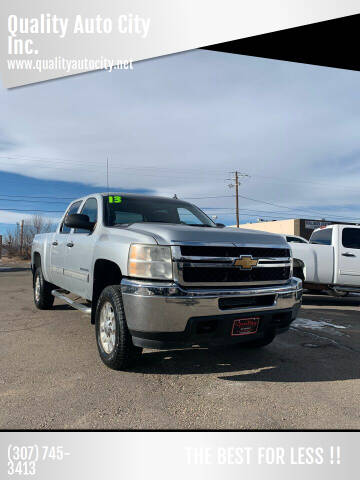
[42,291]
[113,338]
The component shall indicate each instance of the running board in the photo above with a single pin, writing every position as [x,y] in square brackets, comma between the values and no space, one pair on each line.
[347,289]
[79,306]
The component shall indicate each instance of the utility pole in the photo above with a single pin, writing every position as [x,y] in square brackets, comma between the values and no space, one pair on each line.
[21,236]
[237,197]
[236,184]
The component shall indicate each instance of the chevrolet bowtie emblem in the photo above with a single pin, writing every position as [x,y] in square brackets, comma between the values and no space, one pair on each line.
[246,262]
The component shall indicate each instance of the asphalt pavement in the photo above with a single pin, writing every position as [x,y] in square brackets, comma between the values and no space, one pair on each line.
[51,376]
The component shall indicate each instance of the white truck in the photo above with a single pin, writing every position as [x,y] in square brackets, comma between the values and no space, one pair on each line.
[330,261]
[158,272]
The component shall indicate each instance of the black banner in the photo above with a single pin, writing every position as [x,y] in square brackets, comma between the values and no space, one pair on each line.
[332,44]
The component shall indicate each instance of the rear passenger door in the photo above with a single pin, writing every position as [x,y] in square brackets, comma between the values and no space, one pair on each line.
[58,249]
[80,251]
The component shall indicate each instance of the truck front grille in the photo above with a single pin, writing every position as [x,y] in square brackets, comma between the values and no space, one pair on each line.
[225,251]
[211,265]
[234,275]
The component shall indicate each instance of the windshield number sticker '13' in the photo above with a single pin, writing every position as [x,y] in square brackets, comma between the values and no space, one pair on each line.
[115,199]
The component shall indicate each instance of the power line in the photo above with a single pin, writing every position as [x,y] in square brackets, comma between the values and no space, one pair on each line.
[32,196]
[245,213]
[292,209]
[205,198]
[25,210]
[30,201]
[292,180]
[86,163]
[262,212]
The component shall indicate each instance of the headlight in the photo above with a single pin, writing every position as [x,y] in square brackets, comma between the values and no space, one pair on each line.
[150,261]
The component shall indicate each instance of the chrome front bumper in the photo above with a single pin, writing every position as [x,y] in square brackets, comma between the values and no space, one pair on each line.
[166,307]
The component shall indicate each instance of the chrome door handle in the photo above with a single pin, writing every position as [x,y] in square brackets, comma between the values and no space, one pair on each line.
[347,254]
[55,243]
[70,244]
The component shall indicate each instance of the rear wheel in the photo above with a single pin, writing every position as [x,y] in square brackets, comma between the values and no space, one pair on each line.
[42,291]
[113,338]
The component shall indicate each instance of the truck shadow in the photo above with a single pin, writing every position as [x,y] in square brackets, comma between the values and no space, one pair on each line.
[64,306]
[245,365]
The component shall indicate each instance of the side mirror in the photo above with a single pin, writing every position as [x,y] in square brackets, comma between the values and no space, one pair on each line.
[79,220]
[220,225]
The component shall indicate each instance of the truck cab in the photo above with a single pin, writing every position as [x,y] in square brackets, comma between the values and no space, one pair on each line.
[331,260]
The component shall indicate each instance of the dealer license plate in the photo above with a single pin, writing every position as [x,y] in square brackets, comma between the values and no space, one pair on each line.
[245,326]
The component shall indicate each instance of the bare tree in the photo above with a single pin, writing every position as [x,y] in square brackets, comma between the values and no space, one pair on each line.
[12,241]
[33,226]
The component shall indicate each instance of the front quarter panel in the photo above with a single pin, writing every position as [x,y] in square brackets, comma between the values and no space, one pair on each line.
[113,245]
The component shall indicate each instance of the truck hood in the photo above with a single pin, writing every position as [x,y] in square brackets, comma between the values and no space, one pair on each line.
[171,234]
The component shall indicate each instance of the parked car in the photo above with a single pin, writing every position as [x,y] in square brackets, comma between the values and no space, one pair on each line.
[331,260]
[158,272]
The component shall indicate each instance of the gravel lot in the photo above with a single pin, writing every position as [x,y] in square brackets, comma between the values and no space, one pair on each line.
[52,378]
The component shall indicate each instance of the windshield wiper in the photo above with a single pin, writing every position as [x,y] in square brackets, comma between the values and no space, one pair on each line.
[198,225]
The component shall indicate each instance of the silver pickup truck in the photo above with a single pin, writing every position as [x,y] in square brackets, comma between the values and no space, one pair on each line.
[159,273]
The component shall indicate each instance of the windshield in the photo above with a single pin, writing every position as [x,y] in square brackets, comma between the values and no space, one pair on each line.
[120,210]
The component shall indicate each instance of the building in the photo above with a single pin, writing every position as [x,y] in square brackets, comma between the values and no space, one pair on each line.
[293,226]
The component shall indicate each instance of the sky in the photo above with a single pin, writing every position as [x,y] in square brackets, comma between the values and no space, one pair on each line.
[181,124]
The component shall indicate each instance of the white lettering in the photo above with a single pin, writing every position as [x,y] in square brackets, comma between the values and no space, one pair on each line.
[92,25]
[12,25]
[46,23]
[134,24]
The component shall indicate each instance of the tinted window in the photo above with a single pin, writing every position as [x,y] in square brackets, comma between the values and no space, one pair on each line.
[351,238]
[127,217]
[295,240]
[89,209]
[322,237]
[73,209]
[130,210]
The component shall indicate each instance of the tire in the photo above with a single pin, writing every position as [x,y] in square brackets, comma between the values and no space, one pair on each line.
[113,338]
[259,343]
[42,291]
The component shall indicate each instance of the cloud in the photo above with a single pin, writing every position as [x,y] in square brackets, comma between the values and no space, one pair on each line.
[6,143]
[180,124]
[15,217]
